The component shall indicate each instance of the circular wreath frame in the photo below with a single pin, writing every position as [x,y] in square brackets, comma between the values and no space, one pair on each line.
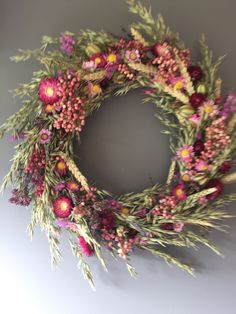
[74,81]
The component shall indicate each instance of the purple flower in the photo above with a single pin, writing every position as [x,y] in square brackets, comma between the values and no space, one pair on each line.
[20,197]
[17,137]
[67,42]
[142,212]
[229,105]
[113,204]
[60,186]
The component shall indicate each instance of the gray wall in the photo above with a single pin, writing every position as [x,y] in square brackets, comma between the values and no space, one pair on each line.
[122,150]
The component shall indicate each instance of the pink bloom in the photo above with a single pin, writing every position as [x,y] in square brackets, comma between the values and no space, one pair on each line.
[94,89]
[178,82]
[65,223]
[132,55]
[44,136]
[178,226]
[86,248]
[48,91]
[209,108]
[185,153]
[202,165]
[62,207]
[202,200]
[179,192]
[73,186]
[89,65]
[195,119]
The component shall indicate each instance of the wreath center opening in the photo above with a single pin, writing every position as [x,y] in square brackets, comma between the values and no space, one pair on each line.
[122,148]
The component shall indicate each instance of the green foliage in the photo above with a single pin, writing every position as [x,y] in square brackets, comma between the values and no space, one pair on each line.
[209,67]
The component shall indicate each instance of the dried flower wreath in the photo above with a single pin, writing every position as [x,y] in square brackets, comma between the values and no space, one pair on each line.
[73,82]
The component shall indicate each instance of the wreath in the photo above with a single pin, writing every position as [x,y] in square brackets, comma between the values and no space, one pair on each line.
[77,74]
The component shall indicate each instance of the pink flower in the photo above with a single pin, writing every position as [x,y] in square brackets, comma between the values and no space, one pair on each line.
[185,153]
[48,91]
[89,65]
[178,226]
[132,55]
[179,192]
[202,165]
[178,82]
[65,223]
[94,89]
[209,108]
[44,136]
[86,248]
[202,200]
[195,119]
[73,186]
[62,207]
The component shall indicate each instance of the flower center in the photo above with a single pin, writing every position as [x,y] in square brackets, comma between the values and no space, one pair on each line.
[96,89]
[208,109]
[98,60]
[185,153]
[186,177]
[61,165]
[44,136]
[179,192]
[111,57]
[49,91]
[133,55]
[64,206]
[49,108]
[179,85]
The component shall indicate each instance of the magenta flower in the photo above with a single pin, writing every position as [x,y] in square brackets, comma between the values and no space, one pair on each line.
[67,42]
[86,248]
[48,91]
[73,186]
[179,192]
[62,207]
[61,167]
[99,59]
[59,186]
[44,136]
